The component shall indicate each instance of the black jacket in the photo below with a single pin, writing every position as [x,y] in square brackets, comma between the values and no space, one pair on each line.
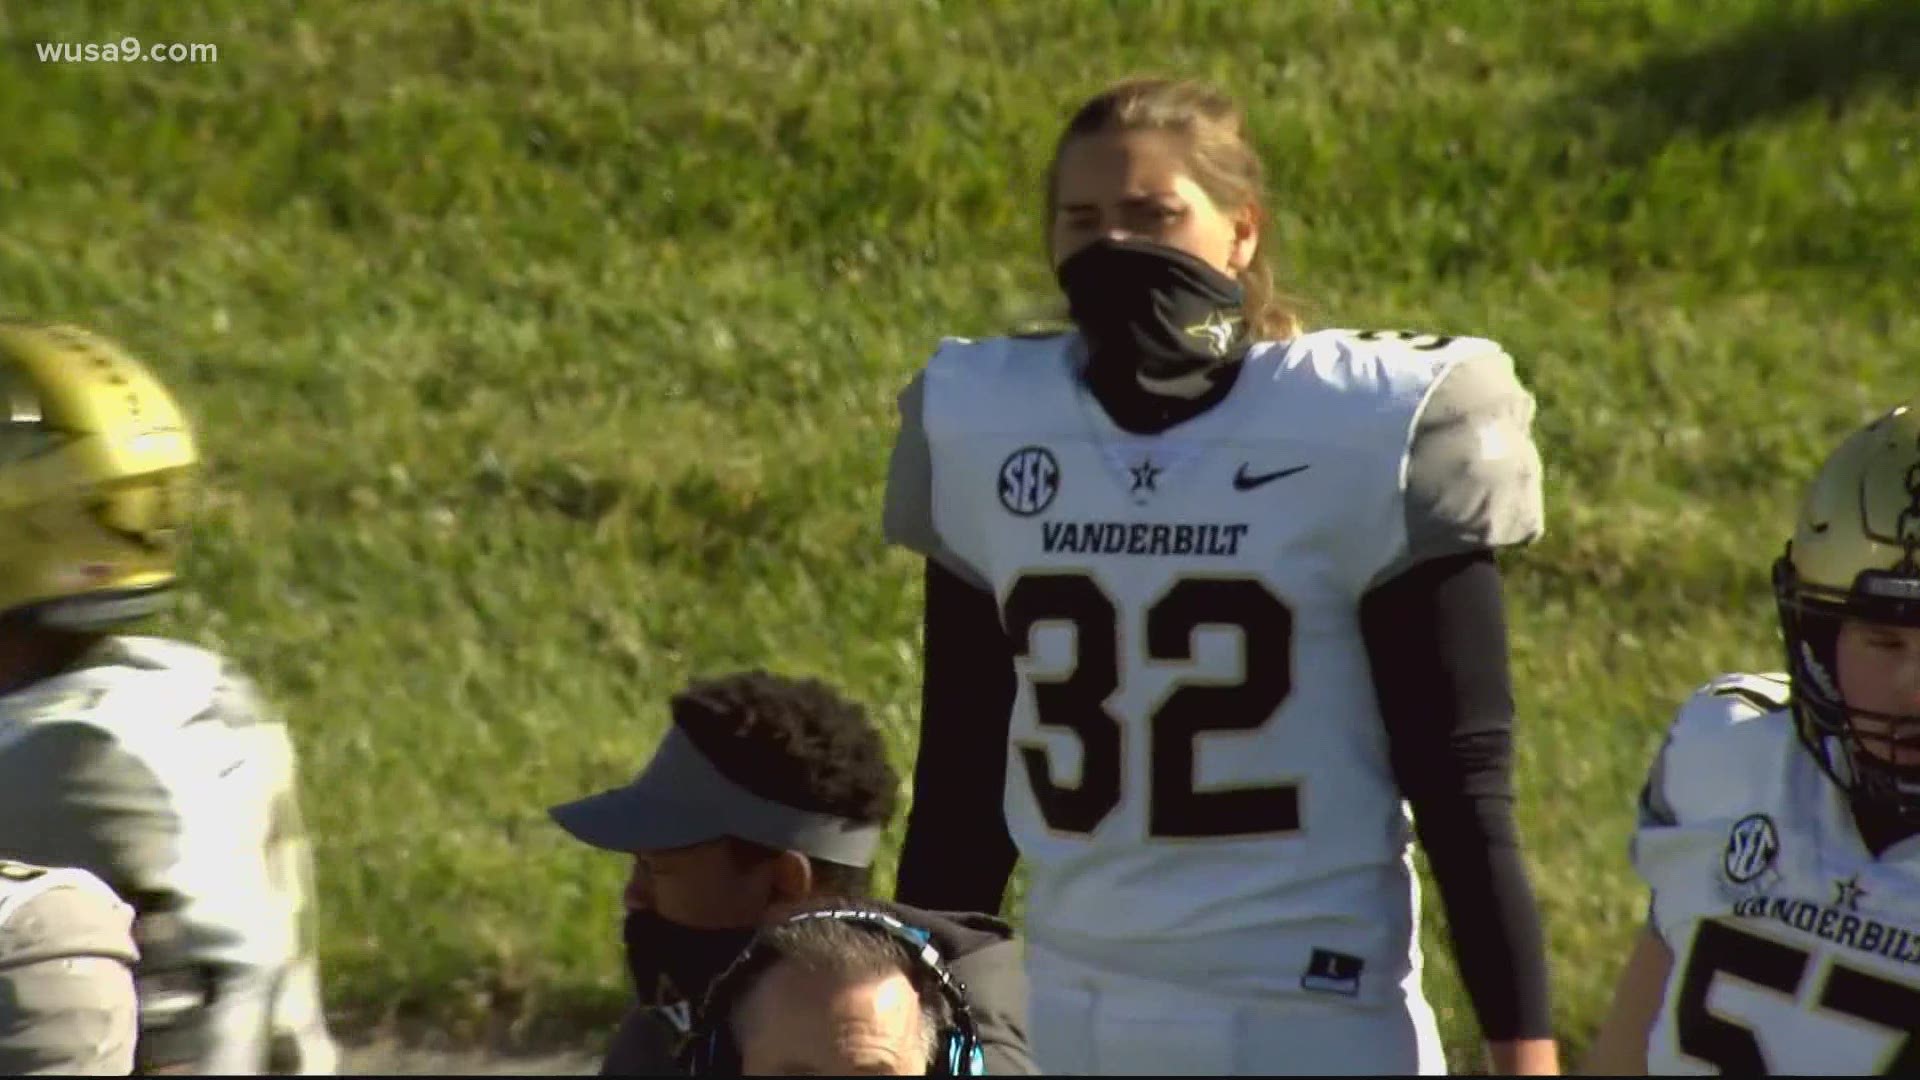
[981,953]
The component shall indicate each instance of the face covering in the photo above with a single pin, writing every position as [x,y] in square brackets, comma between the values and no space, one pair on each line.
[671,963]
[1165,319]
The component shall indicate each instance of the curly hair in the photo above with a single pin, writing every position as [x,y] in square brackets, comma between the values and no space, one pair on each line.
[793,741]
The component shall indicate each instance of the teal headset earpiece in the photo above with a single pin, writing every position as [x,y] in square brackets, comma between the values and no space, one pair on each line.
[710,1050]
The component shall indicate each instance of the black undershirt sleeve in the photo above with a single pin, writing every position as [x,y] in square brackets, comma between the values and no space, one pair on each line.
[958,854]
[1437,641]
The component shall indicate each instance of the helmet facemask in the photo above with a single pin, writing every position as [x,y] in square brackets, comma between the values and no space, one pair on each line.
[1855,558]
[1873,756]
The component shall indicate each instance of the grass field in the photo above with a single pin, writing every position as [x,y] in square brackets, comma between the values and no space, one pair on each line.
[546,355]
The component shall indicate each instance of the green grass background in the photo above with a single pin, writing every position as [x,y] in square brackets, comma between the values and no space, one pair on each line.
[545,353]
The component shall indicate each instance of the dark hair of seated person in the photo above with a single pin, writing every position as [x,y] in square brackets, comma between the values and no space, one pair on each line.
[798,743]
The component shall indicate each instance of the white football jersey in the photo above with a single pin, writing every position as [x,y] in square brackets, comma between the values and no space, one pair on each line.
[67,1000]
[1795,949]
[1198,777]
[154,767]
[106,922]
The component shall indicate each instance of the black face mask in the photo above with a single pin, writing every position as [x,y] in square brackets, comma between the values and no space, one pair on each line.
[671,963]
[1155,315]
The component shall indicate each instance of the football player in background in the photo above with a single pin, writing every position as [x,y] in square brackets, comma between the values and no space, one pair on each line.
[1246,579]
[66,974]
[1780,823]
[148,762]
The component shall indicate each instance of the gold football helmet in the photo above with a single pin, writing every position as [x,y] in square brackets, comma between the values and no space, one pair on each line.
[96,469]
[1855,554]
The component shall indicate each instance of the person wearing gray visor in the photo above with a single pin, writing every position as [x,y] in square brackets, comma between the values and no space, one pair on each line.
[765,793]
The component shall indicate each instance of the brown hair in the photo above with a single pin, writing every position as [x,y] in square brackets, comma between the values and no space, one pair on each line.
[1219,155]
[841,950]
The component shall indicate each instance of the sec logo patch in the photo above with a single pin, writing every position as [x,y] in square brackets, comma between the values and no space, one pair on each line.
[1029,479]
[1752,846]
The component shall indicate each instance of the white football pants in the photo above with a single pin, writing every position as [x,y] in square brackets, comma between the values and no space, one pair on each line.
[1088,1021]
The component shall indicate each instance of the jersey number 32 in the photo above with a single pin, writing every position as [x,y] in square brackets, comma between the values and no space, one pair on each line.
[1077,702]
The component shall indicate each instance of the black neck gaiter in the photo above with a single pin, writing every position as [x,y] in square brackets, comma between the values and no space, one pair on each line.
[671,963]
[1165,331]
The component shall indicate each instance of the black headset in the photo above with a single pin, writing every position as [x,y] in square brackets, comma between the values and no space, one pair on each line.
[710,1049]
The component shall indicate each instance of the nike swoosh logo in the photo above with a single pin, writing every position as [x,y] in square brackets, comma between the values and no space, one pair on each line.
[1243,481]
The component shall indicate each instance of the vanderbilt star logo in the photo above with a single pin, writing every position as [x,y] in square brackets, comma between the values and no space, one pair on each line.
[672,1005]
[1847,893]
[1146,476]
[1218,331]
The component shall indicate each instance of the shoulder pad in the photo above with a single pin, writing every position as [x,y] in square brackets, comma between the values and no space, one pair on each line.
[1472,476]
[20,878]
[1726,742]
[1732,699]
[14,875]
[74,913]
[979,350]
[1414,344]
[164,654]
[1401,366]
[159,679]
[999,365]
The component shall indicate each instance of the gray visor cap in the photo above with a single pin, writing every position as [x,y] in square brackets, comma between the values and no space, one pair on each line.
[680,799]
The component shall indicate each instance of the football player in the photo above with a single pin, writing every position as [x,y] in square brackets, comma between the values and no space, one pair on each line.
[66,974]
[1208,600]
[148,762]
[1780,823]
